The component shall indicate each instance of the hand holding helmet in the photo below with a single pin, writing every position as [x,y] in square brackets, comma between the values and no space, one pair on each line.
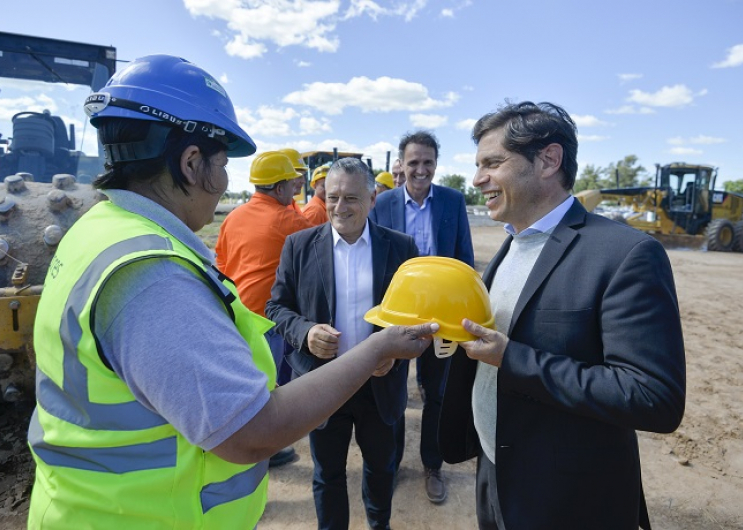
[438,289]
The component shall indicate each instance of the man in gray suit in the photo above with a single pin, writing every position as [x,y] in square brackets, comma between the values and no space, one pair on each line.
[328,278]
[588,349]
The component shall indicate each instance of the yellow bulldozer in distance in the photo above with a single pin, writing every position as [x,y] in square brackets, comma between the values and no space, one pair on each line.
[682,209]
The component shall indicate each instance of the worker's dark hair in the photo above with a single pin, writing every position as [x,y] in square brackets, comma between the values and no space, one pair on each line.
[528,128]
[421,137]
[119,175]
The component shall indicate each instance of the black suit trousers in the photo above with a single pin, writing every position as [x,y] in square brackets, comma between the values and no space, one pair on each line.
[329,447]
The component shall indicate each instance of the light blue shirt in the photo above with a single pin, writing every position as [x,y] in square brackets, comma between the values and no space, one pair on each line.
[547,222]
[354,288]
[418,223]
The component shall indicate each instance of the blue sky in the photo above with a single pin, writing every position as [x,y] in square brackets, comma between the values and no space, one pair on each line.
[659,79]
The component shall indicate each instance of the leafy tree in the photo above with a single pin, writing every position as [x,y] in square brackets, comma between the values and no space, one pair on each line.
[456,182]
[589,179]
[734,186]
[628,172]
[473,196]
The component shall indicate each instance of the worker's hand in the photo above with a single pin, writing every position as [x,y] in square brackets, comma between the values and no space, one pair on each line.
[322,340]
[383,368]
[488,348]
[405,342]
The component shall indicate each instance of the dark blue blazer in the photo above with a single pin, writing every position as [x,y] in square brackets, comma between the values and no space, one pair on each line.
[304,295]
[448,219]
[596,352]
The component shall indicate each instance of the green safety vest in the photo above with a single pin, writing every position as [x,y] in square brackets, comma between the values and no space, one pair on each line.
[104,460]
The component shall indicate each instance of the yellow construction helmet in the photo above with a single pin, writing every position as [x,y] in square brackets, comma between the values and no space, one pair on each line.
[320,173]
[435,289]
[297,162]
[271,167]
[386,178]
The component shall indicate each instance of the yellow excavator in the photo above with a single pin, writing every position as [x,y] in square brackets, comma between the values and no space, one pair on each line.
[682,209]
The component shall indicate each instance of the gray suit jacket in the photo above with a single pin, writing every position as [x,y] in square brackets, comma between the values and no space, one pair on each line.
[596,352]
[304,295]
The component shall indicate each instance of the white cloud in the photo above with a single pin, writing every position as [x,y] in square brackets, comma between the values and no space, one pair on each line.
[310,125]
[267,121]
[734,58]
[464,158]
[307,23]
[466,125]
[626,78]
[303,64]
[685,151]
[591,138]
[224,79]
[447,13]
[587,120]
[251,24]
[630,109]
[668,96]
[11,106]
[383,94]
[696,140]
[428,121]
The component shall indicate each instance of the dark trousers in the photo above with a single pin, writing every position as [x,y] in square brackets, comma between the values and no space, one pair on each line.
[329,447]
[432,373]
[486,494]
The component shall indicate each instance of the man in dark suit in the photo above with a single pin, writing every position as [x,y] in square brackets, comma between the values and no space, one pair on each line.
[436,217]
[328,278]
[589,345]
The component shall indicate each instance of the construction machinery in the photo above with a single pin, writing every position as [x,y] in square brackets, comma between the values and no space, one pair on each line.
[683,208]
[43,170]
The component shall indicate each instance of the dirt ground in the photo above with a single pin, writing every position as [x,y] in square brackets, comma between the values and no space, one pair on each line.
[693,478]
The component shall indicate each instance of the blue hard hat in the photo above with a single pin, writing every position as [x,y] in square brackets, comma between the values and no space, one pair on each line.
[175,92]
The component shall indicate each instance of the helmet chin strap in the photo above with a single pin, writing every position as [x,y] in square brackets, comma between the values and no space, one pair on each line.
[444,348]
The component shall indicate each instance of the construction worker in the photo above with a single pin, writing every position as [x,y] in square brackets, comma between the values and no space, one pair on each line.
[249,247]
[315,210]
[384,182]
[156,405]
[301,168]
[398,174]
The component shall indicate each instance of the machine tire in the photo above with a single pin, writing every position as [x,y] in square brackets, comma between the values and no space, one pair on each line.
[720,235]
[738,238]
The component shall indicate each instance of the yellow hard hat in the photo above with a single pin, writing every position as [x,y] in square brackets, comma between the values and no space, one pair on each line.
[297,162]
[435,289]
[386,178]
[320,173]
[271,167]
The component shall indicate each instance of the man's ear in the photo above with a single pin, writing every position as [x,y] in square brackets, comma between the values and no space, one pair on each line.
[191,159]
[551,157]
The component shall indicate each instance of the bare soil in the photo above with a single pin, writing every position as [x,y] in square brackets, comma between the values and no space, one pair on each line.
[693,478]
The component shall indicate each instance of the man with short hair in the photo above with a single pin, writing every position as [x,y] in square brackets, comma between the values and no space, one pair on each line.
[589,345]
[315,210]
[249,245]
[436,217]
[328,278]
[398,175]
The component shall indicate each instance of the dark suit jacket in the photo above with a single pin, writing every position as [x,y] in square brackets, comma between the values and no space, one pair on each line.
[304,295]
[448,219]
[596,351]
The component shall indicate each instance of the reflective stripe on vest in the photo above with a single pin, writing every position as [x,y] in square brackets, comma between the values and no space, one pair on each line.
[133,441]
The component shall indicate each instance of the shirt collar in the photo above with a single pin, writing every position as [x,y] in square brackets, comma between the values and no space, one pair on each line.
[364,235]
[408,198]
[140,205]
[546,223]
